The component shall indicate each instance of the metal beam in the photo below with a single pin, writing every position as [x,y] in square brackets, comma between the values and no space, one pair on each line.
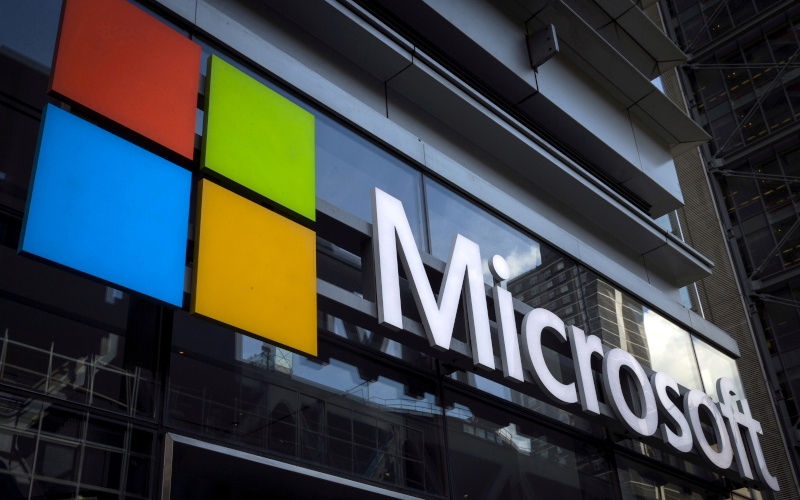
[737,31]
[709,20]
[777,300]
[774,249]
[753,175]
[697,66]
[757,105]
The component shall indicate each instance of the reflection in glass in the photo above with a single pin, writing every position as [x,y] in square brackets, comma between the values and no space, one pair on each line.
[30,28]
[348,167]
[670,350]
[623,322]
[72,338]
[44,490]
[341,411]
[540,276]
[450,214]
[528,402]
[616,318]
[376,342]
[59,446]
[714,365]
[641,483]
[494,455]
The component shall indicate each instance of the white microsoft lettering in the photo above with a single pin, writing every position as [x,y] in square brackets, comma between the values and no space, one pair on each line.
[682,431]
[391,234]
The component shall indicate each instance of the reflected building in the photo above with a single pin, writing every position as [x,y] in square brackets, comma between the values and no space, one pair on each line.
[107,394]
[554,285]
[616,318]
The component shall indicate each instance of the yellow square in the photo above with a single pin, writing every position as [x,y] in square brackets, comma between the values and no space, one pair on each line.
[254,270]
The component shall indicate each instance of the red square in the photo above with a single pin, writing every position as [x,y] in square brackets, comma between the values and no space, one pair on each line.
[126,66]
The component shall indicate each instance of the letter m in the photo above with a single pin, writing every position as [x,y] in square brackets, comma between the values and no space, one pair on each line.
[391,235]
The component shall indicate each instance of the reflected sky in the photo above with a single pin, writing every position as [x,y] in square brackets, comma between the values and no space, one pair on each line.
[348,167]
[714,365]
[670,350]
[449,214]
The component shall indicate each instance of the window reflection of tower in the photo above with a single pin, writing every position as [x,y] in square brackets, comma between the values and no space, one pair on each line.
[613,316]
[553,286]
[617,319]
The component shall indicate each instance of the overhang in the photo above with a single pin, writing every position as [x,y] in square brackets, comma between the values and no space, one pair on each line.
[593,54]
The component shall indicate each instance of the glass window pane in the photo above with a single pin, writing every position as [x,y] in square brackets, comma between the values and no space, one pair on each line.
[45,490]
[615,317]
[714,365]
[17,452]
[494,455]
[540,276]
[348,167]
[340,411]
[14,487]
[623,322]
[562,369]
[30,28]
[57,460]
[639,482]
[450,214]
[670,349]
[73,338]
[371,340]
[18,134]
[101,467]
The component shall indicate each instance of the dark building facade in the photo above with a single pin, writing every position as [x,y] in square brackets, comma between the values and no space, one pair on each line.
[741,83]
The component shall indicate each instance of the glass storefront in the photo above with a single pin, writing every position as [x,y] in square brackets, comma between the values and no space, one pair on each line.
[92,379]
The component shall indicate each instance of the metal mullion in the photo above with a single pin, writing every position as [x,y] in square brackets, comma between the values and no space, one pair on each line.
[766,177]
[49,369]
[81,453]
[764,212]
[778,351]
[3,355]
[36,451]
[444,440]
[757,20]
[702,66]
[772,54]
[782,169]
[757,108]
[777,300]
[71,405]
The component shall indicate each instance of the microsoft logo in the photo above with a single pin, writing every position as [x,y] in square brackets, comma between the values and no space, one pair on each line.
[110,202]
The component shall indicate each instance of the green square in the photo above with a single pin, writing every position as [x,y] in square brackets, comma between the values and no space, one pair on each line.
[258,139]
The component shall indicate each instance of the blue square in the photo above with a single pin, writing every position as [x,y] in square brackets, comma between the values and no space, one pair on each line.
[107,208]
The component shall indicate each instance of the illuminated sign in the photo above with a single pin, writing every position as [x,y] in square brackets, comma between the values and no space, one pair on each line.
[107,208]
[255,270]
[112,210]
[393,243]
[118,62]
